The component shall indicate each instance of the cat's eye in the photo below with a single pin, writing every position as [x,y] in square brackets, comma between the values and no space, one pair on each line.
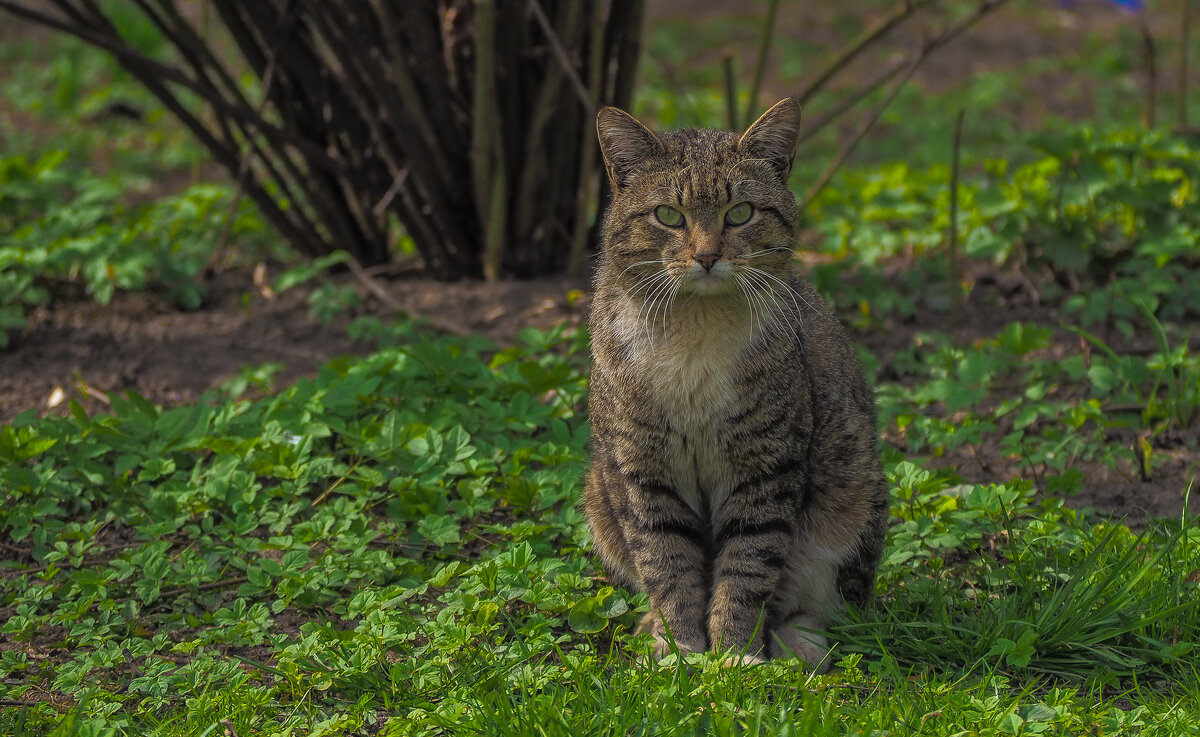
[668,216]
[739,213]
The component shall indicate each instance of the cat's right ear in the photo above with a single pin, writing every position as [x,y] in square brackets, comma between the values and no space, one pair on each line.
[624,142]
[772,137]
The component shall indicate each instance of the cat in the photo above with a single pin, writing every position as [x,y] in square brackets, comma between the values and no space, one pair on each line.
[734,475]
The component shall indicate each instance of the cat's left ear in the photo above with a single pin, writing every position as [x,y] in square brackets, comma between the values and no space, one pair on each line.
[773,136]
[625,143]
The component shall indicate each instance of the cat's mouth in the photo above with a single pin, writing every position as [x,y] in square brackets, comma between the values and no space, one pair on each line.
[717,280]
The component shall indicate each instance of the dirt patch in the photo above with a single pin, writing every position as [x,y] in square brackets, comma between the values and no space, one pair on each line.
[81,350]
[140,343]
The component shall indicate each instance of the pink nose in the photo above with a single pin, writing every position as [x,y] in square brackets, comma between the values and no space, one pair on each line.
[706,259]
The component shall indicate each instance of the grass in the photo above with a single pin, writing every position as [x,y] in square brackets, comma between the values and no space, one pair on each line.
[394,546]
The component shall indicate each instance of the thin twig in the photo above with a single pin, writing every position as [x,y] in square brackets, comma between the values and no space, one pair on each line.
[984,7]
[1184,32]
[1151,54]
[587,145]
[955,266]
[869,123]
[561,54]
[764,45]
[879,31]
[731,120]
[382,206]
[678,89]
[817,124]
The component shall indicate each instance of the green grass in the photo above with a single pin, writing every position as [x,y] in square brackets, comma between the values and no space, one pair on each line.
[396,544]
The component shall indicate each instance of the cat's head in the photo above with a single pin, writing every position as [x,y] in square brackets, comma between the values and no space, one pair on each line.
[698,209]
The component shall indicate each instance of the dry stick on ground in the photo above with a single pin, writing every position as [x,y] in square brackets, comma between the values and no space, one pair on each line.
[985,7]
[377,290]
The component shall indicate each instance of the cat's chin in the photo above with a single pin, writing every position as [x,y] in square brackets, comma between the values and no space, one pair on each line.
[711,283]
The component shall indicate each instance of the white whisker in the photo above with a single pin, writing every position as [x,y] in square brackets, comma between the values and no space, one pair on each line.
[783,318]
[740,281]
[642,263]
[788,288]
[768,250]
[740,162]
[647,281]
[663,304]
[661,289]
[670,303]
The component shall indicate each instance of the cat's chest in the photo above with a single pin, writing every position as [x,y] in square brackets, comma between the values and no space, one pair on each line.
[694,380]
[692,375]
[690,364]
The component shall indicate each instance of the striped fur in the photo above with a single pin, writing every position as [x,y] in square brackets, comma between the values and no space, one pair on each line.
[734,472]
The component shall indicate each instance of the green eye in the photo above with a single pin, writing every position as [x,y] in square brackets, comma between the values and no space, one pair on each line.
[668,216]
[739,213]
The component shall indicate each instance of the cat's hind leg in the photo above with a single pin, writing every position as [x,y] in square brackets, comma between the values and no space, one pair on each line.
[807,597]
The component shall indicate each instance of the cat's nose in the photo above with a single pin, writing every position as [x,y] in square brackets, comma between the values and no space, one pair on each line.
[706,259]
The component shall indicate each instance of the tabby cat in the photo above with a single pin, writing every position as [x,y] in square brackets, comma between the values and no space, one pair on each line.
[734,472]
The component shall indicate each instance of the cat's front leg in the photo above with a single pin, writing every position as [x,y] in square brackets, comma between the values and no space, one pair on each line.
[667,544]
[755,530]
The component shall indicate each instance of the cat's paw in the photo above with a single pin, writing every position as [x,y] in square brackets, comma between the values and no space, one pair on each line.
[666,643]
[734,660]
[793,641]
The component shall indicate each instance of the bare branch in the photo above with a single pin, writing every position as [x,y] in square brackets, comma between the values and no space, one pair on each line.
[560,53]
[865,41]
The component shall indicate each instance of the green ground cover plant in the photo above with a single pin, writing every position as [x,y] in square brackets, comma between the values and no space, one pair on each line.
[60,227]
[394,545]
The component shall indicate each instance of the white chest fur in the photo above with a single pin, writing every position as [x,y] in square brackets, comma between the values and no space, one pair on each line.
[691,367]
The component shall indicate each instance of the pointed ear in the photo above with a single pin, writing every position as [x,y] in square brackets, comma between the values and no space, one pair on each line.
[623,142]
[773,136]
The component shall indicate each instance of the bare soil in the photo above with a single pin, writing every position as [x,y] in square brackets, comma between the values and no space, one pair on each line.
[79,350]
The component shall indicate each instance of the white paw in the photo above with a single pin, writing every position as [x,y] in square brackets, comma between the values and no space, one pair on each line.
[792,641]
[736,660]
[662,646]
